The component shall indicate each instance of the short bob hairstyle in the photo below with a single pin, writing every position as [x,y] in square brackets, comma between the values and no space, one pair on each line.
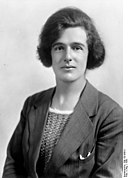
[65,18]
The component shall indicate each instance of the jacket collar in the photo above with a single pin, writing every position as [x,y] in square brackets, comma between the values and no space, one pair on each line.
[43,97]
[89,98]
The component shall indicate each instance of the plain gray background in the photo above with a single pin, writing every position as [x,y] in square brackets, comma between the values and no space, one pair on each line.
[21,74]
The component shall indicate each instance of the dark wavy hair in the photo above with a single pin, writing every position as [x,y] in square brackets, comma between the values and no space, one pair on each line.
[65,18]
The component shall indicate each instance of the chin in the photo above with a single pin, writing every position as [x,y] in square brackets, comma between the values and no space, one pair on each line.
[69,79]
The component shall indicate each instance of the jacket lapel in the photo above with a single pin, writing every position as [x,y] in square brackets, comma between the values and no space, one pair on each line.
[77,129]
[36,124]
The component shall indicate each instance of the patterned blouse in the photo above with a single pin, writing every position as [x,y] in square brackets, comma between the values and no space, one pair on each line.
[55,124]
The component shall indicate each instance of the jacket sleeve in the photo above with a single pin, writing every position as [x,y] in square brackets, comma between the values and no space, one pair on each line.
[14,164]
[109,146]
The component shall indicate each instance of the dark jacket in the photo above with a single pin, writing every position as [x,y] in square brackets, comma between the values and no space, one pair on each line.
[90,146]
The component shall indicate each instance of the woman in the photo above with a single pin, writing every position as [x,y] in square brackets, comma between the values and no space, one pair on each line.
[72,130]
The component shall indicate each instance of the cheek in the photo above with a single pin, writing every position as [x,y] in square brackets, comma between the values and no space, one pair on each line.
[56,58]
[83,60]
[54,61]
[82,63]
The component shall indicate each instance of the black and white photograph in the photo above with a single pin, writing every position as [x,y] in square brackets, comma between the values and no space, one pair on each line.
[61,89]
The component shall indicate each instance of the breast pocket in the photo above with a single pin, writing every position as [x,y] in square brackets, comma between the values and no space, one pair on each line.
[86,162]
[89,155]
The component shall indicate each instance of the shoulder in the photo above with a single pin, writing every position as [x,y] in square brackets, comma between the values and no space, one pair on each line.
[36,98]
[107,103]
[101,103]
[109,112]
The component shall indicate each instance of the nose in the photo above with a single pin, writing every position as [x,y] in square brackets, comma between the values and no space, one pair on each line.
[68,57]
[67,60]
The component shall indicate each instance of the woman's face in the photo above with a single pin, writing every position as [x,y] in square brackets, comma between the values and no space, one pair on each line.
[69,55]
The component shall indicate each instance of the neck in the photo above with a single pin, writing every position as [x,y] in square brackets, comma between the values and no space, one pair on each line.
[67,94]
[70,88]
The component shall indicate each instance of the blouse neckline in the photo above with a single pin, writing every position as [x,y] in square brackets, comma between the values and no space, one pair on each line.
[57,111]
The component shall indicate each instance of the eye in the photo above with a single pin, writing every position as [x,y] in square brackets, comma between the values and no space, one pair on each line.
[77,48]
[58,48]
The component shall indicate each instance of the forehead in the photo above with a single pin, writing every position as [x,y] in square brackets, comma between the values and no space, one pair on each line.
[73,34]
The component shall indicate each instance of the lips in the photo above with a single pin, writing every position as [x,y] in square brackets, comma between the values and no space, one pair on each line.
[68,67]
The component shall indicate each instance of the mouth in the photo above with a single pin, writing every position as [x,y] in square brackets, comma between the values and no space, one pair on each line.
[68,67]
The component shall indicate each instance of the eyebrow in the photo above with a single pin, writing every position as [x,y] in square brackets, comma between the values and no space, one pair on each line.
[57,43]
[73,43]
[80,44]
